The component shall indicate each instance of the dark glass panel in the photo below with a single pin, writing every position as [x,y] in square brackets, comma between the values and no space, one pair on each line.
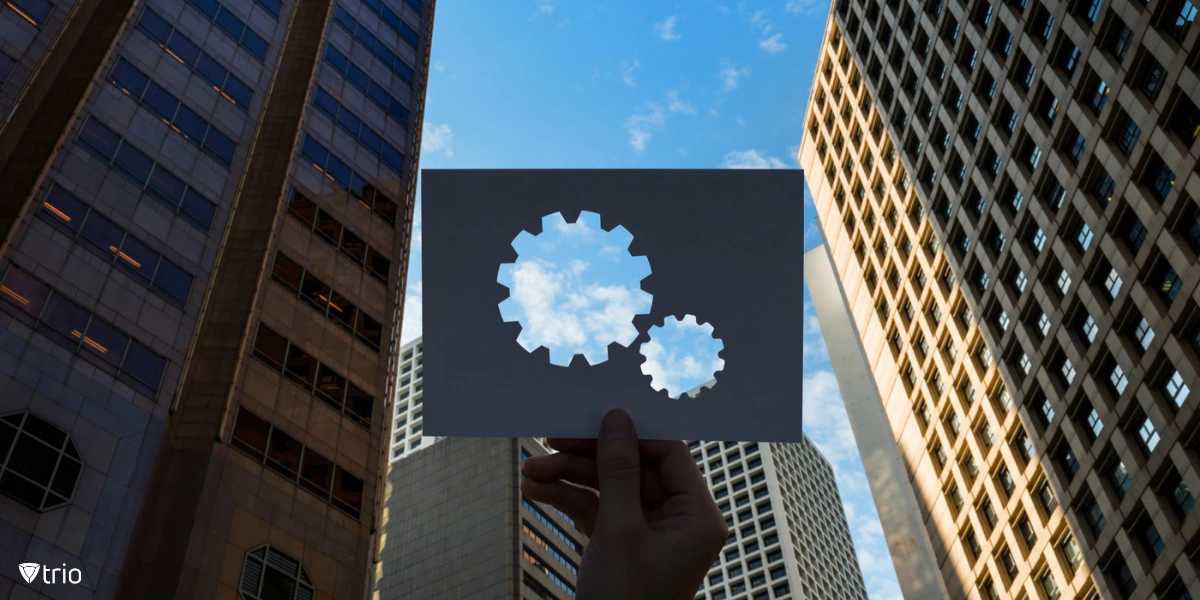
[198,209]
[342,311]
[301,367]
[339,170]
[250,433]
[64,319]
[369,330]
[347,492]
[328,227]
[331,387]
[138,259]
[255,45]
[144,367]
[154,26]
[23,291]
[211,70]
[316,473]
[393,158]
[44,430]
[239,92]
[134,163]
[303,208]
[386,208]
[173,282]
[270,346]
[220,147]
[287,272]
[129,79]
[379,265]
[190,124]
[166,187]
[99,139]
[105,342]
[315,292]
[183,49]
[230,23]
[371,140]
[283,454]
[103,234]
[354,246]
[64,210]
[359,404]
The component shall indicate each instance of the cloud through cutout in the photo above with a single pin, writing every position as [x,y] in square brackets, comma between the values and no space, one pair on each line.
[574,288]
[681,355]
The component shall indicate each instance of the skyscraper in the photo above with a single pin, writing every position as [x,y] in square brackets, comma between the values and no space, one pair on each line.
[457,526]
[407,424]
[1007,192]
[206,212]
[788,536]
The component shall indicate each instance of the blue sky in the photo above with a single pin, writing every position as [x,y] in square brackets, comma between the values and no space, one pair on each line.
[595,84]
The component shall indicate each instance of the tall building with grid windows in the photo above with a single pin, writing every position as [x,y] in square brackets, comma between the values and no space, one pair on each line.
[457,526]
[410,398]
[1008,194]
[788,536]
[206,213]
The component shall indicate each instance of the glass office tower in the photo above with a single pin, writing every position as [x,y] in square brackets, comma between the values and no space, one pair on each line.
[206,208]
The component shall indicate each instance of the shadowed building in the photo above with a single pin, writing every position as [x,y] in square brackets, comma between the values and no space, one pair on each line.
[456,526]
[1008,195]
[205,215]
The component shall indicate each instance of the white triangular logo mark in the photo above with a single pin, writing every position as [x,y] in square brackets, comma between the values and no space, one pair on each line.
[29,571]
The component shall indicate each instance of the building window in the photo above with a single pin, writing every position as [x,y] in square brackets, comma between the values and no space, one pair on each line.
[7,65]
[1095,424]
[1148,435]
[1159,178]
[549,572]
[357,129]
[1175,388]
[1049,587]
[376,92]
[1066,458]
[1151,540]
[1143,334]
[374,46]
[270,574]
[1120,478]
[115,151]
[332,305]
[1178,23]
[1180,495]
[1046,496]
[334,168]
[233,27]
[1168,284]
[316,378]
[1004,478]
[34,11]
[1010,565]
[1092,514]
[1070,552]
[42,466]
[1118,570]
[296,462]
[106,239]
[82,332]
[1023,445]
[1112,283]
[1025,528]
[1064,282]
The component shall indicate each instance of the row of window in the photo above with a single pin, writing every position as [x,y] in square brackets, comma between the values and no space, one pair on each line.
[337,171]
[174,113]
[85,334]
[139,168]
[268,574]
[34,11]
[296,462]
[554,527]
[105,238]
[373,90]
[553,575]
[393,21]
[332,232]
[314,377]
[202,63]
[373,45]
[325,300]
[232,26]
[361,132]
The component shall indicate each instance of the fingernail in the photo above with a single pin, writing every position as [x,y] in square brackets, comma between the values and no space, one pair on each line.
[616,425]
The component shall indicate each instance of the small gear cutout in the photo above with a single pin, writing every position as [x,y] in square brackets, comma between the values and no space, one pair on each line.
[574,288]
[682,357]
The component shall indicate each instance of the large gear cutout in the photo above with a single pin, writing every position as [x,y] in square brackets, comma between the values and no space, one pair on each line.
[582,296]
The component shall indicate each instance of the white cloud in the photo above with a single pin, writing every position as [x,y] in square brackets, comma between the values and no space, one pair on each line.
[410,327]
[806,7]
[561,311]
[825,418]
[545,7]
[773,44]
[564,22]
[732,76]
[676,105]
[437,138]
[767,39]
[440,67]
[641,126]
[627,69]
[740,121]
[666,30]
[751,159]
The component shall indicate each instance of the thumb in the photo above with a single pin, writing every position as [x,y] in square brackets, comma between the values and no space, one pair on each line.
[618,468]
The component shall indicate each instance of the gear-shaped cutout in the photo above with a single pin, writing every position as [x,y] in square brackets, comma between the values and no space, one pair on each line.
[682,356]
[574,288]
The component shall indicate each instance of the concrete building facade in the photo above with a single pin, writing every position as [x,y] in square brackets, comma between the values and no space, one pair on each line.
[407,424]
[205,222]
[1008,195]
[788,536]
[457,526]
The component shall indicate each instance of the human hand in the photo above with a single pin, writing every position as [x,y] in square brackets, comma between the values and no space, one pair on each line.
[654,527]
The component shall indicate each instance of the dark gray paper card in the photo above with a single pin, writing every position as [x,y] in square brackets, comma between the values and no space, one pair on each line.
[723,246]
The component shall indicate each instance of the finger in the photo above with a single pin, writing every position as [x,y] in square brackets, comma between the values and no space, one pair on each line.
[582,471]
[580,446]
[567,467]
[674,467]
[620,473]
[579,504]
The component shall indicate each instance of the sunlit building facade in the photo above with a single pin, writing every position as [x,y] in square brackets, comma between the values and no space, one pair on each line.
[407,424]
[1008,193]
[205,211]
[788,536]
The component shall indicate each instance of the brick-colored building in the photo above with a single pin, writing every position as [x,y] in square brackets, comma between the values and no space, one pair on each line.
[1008,192]
[206,208]
[456,526]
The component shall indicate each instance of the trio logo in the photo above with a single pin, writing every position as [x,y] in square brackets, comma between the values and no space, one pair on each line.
[29,572]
